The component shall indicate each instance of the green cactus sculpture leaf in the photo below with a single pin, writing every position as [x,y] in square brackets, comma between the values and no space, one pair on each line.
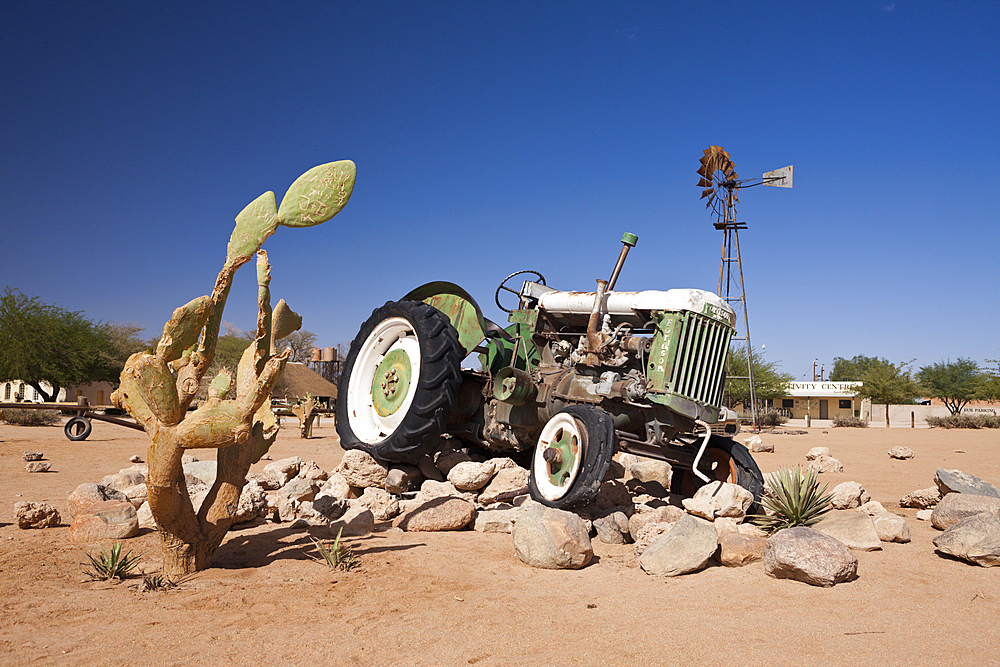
[253,225]
[183,329]
[318,195]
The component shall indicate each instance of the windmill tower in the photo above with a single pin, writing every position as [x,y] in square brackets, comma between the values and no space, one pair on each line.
[721,185]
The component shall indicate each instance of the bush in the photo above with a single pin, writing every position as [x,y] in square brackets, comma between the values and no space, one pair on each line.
[772,418]
[965,421]
[28,417]
[850,421]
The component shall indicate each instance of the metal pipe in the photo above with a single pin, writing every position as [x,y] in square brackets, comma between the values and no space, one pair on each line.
[701,450]
[628,241]
[594,338]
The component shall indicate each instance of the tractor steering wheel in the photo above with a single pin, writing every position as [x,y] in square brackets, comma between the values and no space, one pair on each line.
[503,287]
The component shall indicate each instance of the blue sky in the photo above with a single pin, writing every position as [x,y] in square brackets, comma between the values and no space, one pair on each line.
[497,136]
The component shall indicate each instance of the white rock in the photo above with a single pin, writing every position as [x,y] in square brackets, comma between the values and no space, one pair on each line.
[817,452]
[470,475]
[849,495]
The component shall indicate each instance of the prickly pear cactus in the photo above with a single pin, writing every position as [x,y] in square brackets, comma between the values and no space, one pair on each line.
[157,387]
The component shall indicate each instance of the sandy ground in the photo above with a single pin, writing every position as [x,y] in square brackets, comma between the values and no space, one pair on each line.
[464,598]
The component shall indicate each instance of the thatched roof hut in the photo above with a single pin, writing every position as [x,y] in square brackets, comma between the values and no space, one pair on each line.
[297,380]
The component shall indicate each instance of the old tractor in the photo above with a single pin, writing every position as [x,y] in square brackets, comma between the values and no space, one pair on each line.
[575,377]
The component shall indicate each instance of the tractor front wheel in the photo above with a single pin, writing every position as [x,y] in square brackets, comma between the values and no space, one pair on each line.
[572,456]
[397,388]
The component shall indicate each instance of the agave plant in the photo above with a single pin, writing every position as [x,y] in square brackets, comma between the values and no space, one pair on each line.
[111,565]
[338,555]
[792,498]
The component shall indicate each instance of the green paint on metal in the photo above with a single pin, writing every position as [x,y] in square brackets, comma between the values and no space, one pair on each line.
[527,317]
[318,195]
[630,239]
[566,443]
[460,308]
[501,353]
[391,383]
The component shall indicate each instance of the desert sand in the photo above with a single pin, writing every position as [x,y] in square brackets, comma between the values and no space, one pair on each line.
[464,598]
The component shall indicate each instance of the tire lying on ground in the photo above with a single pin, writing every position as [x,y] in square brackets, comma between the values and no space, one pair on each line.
[397,388]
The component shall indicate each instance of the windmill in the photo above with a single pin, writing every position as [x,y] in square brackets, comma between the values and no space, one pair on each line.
[721,185]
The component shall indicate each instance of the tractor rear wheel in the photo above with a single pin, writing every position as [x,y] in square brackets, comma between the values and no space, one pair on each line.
[727,461]
[398,385]
[572,456]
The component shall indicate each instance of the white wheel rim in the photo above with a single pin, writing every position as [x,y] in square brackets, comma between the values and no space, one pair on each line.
[560,426]
[395,333]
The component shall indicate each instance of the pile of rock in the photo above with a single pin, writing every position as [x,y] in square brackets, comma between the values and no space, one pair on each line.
[967,509]
[821,460]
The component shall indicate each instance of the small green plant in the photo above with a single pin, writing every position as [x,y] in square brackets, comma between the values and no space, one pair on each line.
[792,498]
[111,565]
[850,421]
[157,582]
[337,556]
[29,417]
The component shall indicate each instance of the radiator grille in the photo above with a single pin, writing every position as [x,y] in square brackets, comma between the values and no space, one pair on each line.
[699,364]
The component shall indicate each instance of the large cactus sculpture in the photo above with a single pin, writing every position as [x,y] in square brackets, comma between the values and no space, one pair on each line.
[157,387]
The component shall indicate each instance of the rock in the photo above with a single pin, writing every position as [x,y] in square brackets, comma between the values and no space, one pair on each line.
[975,539]
[360,469]
[111,519]
[145,516]
[448,458]
[313,472]
[854,529]
[872,507]
[925,515]
[737,549]
[956,481]
[439,514]
[431,489]
[826,464]
[612,496]
[668,514]
[725,525]
[198,493]
[804,554]
[382,504]
[38,466]
[758,446]
[751,530]
[32,456]
[647,470]
[285,509]
[552,539]
[921,498]
[135,458]
[84,496]
[402,478]
[125,478]
[890,527]
[719,499]
[506,480]
[497,519]
[331,507]
[427,468]
[284,469]
[470,475]
[686,547]
[613,528]
[817,452]
[252,503]
[36,515]
[901,453]
[298,489]
[336,485]
[136,495]
[957,506]
[502,463]
[649,533]
[271,480]
[203,471]
[357,521]
[849,495]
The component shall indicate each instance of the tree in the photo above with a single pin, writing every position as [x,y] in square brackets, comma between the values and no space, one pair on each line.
[301,343]
[125,341]
[44,343]
[768,381]
[884,382]
[851,370]
[988,386]
[954,383]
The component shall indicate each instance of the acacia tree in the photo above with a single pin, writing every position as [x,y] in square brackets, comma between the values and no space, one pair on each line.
[888,383]
[768,381]
[158,386]
[851,370]
[45,343]
[954,383]
[988,387]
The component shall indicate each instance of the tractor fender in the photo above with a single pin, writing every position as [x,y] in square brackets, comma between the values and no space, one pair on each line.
[461,309]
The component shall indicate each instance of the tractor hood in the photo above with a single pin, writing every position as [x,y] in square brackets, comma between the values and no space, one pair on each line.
[635,307]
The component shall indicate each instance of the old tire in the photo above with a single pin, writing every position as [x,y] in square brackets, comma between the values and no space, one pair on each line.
[397,388]
[78,428]
[584,437]
[728,461]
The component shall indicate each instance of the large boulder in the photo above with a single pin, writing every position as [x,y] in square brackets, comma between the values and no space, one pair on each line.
[361,470]
[956,481]
[471,475]
[890,527]
[975,539]
[687,547]
[109,520]
[36,515]
[89,494]
[445,513]
[852,528]
[957,506]
[552,539]
[803,554]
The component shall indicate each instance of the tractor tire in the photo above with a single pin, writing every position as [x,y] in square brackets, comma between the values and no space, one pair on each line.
[399,381]
[728,461]
[78,428]
[575,478]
